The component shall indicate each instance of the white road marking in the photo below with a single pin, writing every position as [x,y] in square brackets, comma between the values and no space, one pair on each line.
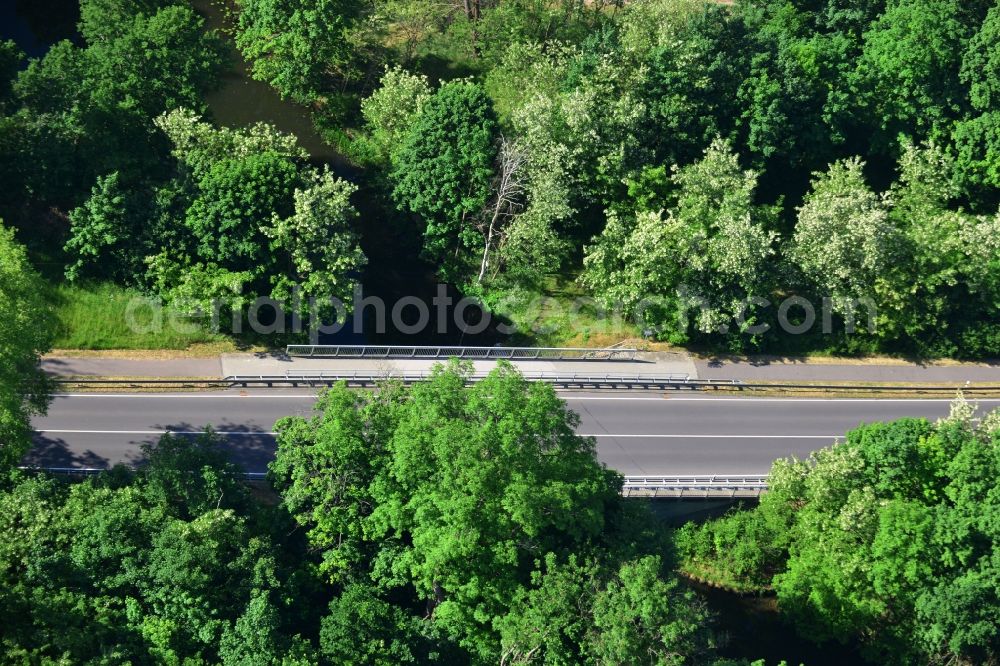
[194,395]
[225,433]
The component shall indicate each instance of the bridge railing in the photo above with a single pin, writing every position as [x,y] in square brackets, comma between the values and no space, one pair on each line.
[695,487]
[661,487]
[473,353]
[566,380]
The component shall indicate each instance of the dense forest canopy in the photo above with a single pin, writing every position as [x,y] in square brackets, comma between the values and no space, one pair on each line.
[683,160]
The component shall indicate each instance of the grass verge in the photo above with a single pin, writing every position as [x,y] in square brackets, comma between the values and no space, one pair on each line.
[106,316]
[562,315]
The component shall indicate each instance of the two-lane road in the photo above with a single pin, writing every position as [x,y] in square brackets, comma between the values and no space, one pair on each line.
[637,434]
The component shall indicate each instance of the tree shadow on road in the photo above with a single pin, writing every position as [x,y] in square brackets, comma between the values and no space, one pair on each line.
[249,447]
[57,452]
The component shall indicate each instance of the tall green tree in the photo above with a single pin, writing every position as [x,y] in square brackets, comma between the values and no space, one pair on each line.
[448,497]
[978,137]
[27,328]
[444,168]
[102,234]
[711,48]
[908,71]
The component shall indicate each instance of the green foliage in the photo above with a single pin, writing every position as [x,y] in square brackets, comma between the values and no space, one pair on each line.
[443,170]
[683,118]
[111,90]
[10,61]
[362,628]
[978,146]
[391,110]
[705,256]
[844,243]
[750,550]
[577,613]
[298,47]
[105,20]
[167,566]
[158,63]
[448,497]
[101,229]
[981,64]
[888,538]
[257,219]
[26,327]
[235,198]
[911,56]
[319,240]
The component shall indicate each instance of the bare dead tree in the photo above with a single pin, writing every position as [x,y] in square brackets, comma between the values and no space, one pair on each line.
[509,185]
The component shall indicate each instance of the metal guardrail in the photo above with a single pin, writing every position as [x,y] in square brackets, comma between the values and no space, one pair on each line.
[565,380]
[94,471]
[294,379]
[660,487]
[510,353]
[695,487]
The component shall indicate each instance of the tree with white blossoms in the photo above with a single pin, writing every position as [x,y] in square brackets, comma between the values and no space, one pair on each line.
[578,139]
[198,144]
[709,252]
[920,291]
[320,244]
[391,109]
[928,268]
[844,241]
[259,219]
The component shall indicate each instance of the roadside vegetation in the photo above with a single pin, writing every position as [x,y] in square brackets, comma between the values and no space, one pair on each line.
[672,158]
[26,326]
[101,316]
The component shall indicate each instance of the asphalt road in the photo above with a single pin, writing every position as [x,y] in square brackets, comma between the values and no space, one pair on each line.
[637,434]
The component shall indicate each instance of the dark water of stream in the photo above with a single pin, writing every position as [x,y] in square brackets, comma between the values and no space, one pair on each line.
[752,628]
[241,100]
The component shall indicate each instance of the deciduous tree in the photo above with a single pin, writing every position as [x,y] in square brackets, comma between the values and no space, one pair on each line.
[444,169]
[26,331]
